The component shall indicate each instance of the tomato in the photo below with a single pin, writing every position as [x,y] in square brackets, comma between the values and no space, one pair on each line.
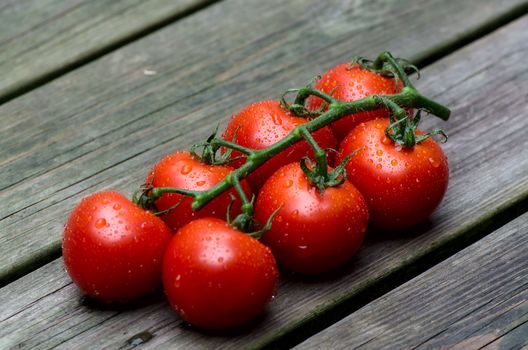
[350,83]
[216,277]
[314,231]
[112,249]
[183,171]
[262,124]
[402,186]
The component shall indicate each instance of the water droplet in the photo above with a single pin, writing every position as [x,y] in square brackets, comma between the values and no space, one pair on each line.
[378,126]
[434,162]
[117,206]
[394,162]
[398,147]
[288,183]
[186,169]
[379,153]
[295,213]
[385,140]
[177,281]
[379,166]
[104,201]
[100,223]
[277,120]
[200,183]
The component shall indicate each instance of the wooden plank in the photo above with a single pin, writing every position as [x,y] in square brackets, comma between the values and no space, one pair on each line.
[101,126]
[487,86]
[476,298]
[41,39]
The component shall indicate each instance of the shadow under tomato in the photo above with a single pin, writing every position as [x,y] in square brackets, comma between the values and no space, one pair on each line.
[377,235]
[94,304]
[242,330]
[328,276]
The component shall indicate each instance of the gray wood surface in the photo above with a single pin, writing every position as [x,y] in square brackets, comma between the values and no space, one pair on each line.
[486,85]
[476,299]
[39,39]
[103,125]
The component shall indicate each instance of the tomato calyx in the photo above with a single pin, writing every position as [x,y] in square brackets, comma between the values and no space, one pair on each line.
[389,66]
[402,130]
[317,173]
[210,148]
[147,195]
[245,221]
[298,106]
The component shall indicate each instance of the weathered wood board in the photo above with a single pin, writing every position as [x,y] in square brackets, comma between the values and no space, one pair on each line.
[486,85]
[476,299]
[104,124]
[41,39]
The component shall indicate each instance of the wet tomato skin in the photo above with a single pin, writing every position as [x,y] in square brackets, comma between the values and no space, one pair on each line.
[349,83]
[313,232]
[216,277]
[263,124]
[112,249]
[182,170]
[402,186]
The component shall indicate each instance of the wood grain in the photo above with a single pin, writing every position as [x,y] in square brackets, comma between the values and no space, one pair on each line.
[476,299]
[41,39]
[485,84]
[102,126]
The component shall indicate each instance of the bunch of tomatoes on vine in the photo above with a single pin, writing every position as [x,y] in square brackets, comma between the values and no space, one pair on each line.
[292,182]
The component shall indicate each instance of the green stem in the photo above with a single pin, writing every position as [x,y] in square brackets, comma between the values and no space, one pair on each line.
[157,192]
[247,206]
[221,142]
[320,155]
[305,92]
[386,57]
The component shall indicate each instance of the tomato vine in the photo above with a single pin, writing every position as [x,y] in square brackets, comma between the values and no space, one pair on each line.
[401,130]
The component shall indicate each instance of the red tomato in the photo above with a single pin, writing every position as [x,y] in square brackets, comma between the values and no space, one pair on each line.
[112,249]
[182,170]
[264,123]
[402,186]
[217,277]
[351,83]
[313,232]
